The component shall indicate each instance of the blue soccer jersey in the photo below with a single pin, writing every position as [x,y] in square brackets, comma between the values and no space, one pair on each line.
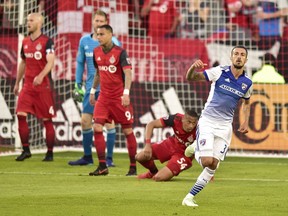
[225,93]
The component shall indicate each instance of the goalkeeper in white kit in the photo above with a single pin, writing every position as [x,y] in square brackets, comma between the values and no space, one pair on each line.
[85,54]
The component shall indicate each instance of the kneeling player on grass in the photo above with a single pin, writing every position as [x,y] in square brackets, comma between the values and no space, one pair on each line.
[171,149]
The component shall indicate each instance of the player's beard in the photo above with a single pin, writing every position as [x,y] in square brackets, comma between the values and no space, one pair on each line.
[238,66]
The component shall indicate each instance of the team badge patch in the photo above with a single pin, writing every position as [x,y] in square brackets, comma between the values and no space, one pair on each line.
[202,142]
[39,47]
[112,59]
[244,86]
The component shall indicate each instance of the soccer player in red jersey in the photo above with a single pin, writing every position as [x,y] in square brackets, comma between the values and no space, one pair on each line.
[171,149]
[38,57]
[114,75]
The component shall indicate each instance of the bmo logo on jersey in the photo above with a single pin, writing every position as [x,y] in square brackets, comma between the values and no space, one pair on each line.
[37,55]
[110,68]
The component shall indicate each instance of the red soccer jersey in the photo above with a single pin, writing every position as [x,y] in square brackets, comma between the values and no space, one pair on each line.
[34,53]
[180,136]
[110,67]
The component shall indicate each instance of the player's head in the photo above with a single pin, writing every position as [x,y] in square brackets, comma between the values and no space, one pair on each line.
[34,22]
[104,34]
[239,56]
[99,18]
[190,120]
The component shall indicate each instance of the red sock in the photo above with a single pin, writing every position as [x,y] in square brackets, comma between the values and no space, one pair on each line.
[50,134]
[132,148]
[100,145]
[150,165]
[23,129]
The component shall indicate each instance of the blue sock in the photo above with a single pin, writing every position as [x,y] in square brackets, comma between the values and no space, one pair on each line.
[111,135]
[87,141]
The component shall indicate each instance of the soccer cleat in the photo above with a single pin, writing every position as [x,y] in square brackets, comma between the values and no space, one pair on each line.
[99,171]
[132,171]
[48,157]
[189,201]
[190,150]
[109,162]
[81,162]
[147,175]
[24,155]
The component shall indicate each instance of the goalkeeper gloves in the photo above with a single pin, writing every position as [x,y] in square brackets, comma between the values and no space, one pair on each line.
[78,92]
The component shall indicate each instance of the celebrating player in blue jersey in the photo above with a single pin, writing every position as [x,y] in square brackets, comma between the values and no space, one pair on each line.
[214,130]
[85,53]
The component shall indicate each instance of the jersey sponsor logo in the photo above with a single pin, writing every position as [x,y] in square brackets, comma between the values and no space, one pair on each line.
[89,54]
[38,55]
[232,90]
[110,68]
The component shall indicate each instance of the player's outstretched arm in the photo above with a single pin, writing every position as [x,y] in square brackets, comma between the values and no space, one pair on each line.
[192,74]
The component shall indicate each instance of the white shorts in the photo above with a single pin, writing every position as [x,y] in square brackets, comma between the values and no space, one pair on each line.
[213,139]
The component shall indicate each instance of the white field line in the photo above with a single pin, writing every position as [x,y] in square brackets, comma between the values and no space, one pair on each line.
[117,176]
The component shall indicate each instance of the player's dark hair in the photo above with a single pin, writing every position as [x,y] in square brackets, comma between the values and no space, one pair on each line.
[101,13]
[239,46]
[107,27]
[191,113]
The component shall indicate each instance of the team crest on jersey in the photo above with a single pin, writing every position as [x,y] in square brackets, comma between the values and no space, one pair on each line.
[244,86]
[202,142]
[190,139]
[112,59]
[39,47]
[112,69]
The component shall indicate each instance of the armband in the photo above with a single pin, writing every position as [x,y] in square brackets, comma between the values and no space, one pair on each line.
[92,91]
[126,92]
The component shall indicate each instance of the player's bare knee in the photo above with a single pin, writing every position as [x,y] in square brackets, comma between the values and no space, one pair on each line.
[207,161]
[98,127]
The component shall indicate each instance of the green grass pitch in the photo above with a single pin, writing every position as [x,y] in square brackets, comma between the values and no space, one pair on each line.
[242,186]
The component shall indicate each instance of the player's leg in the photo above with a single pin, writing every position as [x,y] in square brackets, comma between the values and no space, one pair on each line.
[148,163]
[132,148]
[100,146]
[24,106]
[23,130]
[110,142]
[87,133]
[177,163]
[50,139]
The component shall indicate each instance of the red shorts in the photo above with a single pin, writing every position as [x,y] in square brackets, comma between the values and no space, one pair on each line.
[38,103]
[173,152]
[106,111]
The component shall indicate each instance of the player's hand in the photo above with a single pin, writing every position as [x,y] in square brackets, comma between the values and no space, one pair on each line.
[243,129]
[92,99]
[125,100]
[16,90]
[37,80]
[78,92]
[147,151]
[199,65]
